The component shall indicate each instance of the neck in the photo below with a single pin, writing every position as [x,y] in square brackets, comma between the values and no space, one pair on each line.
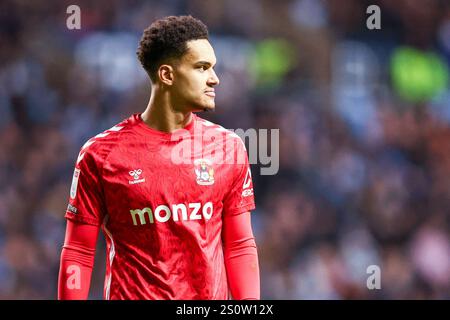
[161,115]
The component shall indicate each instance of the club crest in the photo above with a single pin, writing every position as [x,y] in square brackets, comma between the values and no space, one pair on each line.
[204,172]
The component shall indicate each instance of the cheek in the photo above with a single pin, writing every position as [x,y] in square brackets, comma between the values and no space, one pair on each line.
[188,82]
[194,87]
[191,85]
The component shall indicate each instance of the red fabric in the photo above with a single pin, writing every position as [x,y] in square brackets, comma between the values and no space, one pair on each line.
[77,261]
[241,257]
[161,199]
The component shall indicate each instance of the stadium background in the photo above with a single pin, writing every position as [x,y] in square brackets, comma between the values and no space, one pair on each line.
[364,119]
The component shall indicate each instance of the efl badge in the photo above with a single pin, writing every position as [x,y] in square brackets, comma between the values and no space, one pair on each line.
[73,188]
[204,172]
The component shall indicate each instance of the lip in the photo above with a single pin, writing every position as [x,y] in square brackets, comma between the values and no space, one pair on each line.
[210,93]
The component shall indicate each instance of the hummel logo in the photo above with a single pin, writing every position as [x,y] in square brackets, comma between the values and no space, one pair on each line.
[135,174]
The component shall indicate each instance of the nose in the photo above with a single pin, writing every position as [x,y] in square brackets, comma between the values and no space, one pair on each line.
[213,79]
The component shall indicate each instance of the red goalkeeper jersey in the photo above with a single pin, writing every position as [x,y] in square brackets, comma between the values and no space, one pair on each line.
[160,199]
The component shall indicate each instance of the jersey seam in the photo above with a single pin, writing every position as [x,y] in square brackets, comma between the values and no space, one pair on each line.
[103,166]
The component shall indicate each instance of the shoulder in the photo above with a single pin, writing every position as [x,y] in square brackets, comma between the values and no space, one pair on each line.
[99,146]
[210,128]
[232,147]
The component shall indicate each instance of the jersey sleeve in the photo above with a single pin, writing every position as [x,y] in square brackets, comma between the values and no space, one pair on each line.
[240,197]
[77,261]
[241,257]
[86,202]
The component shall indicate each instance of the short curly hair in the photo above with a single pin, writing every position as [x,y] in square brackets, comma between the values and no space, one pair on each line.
[167,39]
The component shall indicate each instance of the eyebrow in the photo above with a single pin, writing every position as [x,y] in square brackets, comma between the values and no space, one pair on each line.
[202,62]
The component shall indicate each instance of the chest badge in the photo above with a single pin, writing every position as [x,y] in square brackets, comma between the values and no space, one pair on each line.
[204,172]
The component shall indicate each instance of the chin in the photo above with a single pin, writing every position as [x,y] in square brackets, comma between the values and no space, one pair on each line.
[209,108]
[204,107]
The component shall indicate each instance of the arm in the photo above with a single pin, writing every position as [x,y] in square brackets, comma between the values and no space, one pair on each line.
[241,257]
[77,261]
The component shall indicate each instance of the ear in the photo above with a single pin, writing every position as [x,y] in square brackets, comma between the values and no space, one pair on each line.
[165,74]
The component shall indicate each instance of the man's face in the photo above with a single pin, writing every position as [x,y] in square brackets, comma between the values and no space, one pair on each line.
[194,77]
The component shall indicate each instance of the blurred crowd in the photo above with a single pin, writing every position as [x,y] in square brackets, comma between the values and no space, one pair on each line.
[364,119]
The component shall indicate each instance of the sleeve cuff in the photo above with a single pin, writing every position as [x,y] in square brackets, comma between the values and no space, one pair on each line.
[239,210]
[81,219]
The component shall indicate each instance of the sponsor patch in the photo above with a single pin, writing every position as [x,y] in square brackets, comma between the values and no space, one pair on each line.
[72,208]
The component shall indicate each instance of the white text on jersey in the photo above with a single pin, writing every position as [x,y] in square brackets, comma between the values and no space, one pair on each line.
[163,213]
